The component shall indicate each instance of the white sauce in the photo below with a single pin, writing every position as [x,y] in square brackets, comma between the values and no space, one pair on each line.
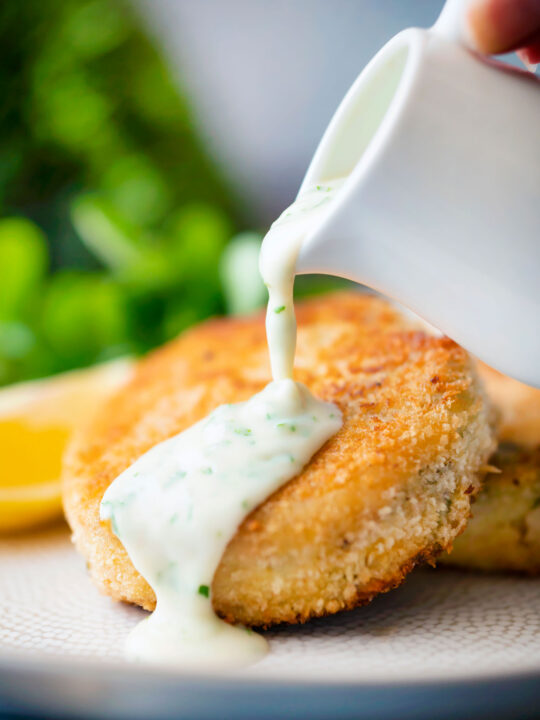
[176,508]
[277,264]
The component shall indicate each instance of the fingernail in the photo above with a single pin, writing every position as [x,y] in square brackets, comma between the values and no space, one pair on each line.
[531,67]
[528,56]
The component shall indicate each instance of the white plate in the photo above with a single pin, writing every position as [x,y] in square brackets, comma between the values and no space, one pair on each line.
[446,642]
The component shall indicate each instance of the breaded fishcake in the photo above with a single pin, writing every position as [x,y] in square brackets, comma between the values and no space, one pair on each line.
[391,489]
[504,532]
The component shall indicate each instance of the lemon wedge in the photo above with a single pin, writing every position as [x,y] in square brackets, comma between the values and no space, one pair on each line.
[36,421]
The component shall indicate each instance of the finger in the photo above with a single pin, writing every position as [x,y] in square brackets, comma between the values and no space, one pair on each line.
[502,25]
[531,54]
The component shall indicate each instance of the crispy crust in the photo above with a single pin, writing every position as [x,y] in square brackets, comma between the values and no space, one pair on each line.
[391,489]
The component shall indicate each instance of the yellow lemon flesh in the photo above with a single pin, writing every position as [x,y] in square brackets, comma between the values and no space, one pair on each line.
[36,421]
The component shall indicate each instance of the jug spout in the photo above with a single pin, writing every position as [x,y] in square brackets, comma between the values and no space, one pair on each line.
[440,207]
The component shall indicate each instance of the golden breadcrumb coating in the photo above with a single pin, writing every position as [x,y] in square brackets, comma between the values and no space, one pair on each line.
[504,532]
[391,489]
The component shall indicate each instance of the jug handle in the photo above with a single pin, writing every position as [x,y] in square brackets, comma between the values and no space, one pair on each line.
[452,23]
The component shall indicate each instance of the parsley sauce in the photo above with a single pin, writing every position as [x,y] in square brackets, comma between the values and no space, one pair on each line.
[176,508]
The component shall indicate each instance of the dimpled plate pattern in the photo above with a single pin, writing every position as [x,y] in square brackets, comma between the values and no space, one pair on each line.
[440,623]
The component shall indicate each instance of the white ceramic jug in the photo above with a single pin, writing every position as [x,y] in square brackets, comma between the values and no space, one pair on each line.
[441,208]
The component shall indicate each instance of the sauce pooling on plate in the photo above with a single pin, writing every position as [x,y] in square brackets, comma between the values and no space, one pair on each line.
[177,507]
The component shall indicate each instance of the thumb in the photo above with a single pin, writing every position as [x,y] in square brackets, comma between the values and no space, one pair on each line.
[499,26]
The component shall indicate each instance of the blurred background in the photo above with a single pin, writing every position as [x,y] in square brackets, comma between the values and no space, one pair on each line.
[145,146]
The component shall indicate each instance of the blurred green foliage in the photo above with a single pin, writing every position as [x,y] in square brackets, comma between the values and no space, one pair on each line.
[114,223]
[113,219]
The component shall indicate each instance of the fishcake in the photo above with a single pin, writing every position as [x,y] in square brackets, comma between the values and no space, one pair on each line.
[390,490]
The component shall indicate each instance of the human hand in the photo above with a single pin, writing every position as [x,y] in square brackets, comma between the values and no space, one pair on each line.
[500,26]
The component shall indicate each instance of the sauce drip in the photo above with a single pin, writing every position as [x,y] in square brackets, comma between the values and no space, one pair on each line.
[176,508]
[277,264]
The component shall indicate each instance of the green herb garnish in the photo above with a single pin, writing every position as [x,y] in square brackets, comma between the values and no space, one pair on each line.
[204,590]
[175,477]
[279,309]
[292,428]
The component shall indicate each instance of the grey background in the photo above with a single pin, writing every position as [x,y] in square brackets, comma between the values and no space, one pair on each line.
[265,77]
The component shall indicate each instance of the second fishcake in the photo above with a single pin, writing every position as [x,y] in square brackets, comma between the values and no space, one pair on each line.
[504,532]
